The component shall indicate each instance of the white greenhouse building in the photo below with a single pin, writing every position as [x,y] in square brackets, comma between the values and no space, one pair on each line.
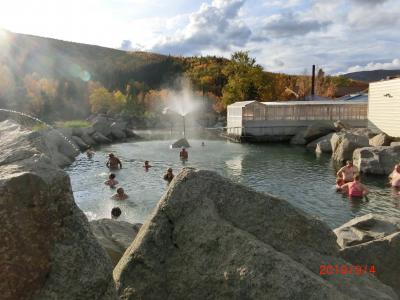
[279,121]
[384,107]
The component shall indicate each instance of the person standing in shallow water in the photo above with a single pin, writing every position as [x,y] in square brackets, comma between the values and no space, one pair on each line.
[112,182]
[120,195]
[90,153]
[355,188]
[113,162]
[348,172]
[115,213]
[184,155]
[169,175]
[394,177]
[146,165]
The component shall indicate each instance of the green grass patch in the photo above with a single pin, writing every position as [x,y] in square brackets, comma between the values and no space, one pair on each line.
[75,124]
[39,127]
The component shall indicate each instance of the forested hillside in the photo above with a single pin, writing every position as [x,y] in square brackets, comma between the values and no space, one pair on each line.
[58,80]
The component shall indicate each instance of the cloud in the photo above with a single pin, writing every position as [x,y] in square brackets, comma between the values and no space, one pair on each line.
[369,2]
[289,25]
[393,65]
[215,26]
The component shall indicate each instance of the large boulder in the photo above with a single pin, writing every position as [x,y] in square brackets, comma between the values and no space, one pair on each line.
[344,143]
[316,131]
[365,228]
[100,138]
[47,250]
[209,238]
[322,145]
[381,139]
[115,236]
[118,130]
[339,125]
[395,144]
[181,143]
[381,249]
[376,160]
[60,148]
[79,142]
[102,124]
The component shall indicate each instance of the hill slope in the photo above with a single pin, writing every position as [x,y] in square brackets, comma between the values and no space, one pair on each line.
[370,76]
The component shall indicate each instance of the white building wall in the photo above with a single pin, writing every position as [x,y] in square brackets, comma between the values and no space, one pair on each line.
[384,107]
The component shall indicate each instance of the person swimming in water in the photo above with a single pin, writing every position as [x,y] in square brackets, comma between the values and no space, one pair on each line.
[347,172]
[90,152]
[113,162]
[146,165]
[115,213]
[184,155]
[202,144]
[394,177]
[120,195]
[355,189]
[169,175]
[112,182]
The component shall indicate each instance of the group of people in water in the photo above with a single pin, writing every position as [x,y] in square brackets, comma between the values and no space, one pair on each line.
[348,181]
[114,163]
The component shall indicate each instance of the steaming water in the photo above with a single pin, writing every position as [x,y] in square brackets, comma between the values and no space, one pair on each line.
[292,173]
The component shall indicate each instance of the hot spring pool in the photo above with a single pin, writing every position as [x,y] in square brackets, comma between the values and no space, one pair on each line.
[290,172]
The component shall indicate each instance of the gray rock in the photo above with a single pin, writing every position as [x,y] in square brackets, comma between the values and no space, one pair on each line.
[339,125]
[88,130]
[47,250]
[365,228]
[88,139]
[395,144]
[322,145]
[381,139]
[382,250]
[78,141]
[102,124]
[100,138]
[317,130]
[209,238]
[181,143]
[344,143]
[118,130]
[298,139]
[115,236]
[376,160]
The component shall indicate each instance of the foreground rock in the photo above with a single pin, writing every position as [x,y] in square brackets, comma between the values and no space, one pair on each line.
[382,250]
[212,239]
[114,236]
[181,143]
[376,160]
[47,250]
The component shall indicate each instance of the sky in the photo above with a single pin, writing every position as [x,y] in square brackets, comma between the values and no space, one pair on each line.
[287,36]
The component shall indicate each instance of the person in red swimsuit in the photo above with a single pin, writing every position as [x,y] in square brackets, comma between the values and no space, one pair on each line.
[355,188]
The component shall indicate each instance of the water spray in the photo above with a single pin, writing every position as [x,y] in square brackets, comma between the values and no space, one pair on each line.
[43,123]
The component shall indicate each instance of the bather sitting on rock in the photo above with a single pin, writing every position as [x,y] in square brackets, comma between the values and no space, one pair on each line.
[112,182]
[347,172]
[394,177]
[355,189]
[169,175]
[115,213]
[184,155]
[120,195]
[146,165]
[113,162]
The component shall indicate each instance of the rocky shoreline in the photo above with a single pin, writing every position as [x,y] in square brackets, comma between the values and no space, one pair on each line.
[372,153]
[208,238]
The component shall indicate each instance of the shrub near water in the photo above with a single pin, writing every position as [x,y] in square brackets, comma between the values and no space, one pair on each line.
[75,124]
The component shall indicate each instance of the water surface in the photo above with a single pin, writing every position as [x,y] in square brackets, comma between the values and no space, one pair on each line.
[290,172]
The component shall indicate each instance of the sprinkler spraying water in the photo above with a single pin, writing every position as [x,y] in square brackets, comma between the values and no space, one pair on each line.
[18,113]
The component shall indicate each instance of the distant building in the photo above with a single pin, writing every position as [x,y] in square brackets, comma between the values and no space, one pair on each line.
[384,107]
[274,121]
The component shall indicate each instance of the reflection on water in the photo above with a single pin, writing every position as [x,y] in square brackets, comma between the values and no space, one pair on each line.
[292,173]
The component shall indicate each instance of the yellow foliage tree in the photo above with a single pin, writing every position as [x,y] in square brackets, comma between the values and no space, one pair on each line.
[100,100]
